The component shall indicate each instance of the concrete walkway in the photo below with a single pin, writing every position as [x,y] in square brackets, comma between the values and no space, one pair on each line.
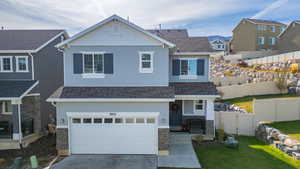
[108,162]
[181,153]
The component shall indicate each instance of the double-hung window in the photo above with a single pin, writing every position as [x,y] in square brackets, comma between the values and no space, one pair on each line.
[22,63]
[6,64]
[273,28]
[93,64]
[146,62]
[6,107]
[188,68]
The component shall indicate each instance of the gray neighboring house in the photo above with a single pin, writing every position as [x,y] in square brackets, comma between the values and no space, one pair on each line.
[30,70]
[125,89]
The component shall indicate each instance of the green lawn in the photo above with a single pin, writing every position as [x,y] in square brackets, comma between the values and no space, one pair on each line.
[246,102]
[291,128]
[252,154]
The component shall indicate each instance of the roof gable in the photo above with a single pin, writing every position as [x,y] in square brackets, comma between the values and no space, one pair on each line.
[115,31]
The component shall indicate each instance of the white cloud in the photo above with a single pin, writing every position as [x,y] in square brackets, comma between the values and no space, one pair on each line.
[76,15]
[275,5]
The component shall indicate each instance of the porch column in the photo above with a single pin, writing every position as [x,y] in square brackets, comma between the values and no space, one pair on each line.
[16,119]
[210,118]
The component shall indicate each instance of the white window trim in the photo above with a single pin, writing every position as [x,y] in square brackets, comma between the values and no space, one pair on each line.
[199,112]
[92,75]
[17,64]
[11,64]
[187,76]
[273,41]
[146,70]
[273,28]
[3,110]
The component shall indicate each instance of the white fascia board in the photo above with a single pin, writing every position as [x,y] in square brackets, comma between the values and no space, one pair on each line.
[52,39]
[9,98]
[109,100]
[195,97]
[80,34]
[28,90]
[115,114]
[17,51]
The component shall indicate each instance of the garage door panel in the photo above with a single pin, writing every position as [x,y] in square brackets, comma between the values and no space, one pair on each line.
[114,138]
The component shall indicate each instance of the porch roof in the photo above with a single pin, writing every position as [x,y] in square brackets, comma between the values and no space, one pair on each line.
[15,88]
[194,88]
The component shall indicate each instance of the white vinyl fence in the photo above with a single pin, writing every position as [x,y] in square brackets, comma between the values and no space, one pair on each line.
[275,58]
[283,109]
[248,89]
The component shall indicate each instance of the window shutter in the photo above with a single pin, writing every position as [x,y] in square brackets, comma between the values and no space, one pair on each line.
[108,63]
[176,67]
[200,66]
[78,63]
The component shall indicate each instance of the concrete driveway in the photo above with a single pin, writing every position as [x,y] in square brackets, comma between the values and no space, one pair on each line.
[108,162]
[182,154]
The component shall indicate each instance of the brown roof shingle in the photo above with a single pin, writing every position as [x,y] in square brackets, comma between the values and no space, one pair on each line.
[192,44]
[194,88]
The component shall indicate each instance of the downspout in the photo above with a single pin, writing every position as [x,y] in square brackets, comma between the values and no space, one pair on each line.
[20,127]
[32,66]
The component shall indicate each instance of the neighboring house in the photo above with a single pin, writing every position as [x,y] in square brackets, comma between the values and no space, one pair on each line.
[256,35]
[125,89]
[218,44]
[289,40]
[30,70]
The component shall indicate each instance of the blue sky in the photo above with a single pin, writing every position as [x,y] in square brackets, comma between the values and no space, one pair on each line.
[200,17]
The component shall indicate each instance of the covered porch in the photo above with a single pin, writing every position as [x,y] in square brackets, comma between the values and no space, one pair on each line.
[193,109]
[19,113]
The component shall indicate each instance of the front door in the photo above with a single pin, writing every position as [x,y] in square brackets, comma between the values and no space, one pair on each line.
[176,115]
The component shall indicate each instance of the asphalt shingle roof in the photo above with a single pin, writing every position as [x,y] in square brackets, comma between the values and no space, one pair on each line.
[170,33]
[194,88]
[192,44]
[114,92]
[25,39]
[13,88]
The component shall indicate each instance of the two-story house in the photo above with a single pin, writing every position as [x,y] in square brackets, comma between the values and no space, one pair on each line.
[30,70]
[289,40]
[256,35]
[125,89]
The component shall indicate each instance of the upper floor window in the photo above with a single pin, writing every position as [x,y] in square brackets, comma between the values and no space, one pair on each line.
[272,40]
[6,107]
[146,62]
[6,64]
[261,27]
[188,67]
[261,40]
[22,63]
[273,28]
[93,63]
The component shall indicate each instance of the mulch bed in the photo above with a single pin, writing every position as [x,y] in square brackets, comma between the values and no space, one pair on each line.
[44,149]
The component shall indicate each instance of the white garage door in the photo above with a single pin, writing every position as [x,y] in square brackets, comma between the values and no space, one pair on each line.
[114,135]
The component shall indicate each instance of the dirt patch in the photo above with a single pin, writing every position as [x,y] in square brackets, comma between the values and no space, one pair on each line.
[44,149]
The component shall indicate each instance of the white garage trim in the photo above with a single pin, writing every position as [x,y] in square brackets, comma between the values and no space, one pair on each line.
[145,119]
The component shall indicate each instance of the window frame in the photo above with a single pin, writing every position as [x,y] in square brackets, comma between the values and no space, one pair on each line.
[199,112]
[2,64]
[187,76]
[273,28]
[146,70]
[93,74]
[259,40]
[272,41]
[26,62]
[3,106]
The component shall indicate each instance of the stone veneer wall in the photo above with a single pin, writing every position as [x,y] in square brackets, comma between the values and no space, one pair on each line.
[209,128]
[163,139]
[62,139]
[30,108]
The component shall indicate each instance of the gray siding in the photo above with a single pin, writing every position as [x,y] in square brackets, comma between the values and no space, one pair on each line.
[49,71]
[126,67]
[204,78]
[17,75]
[188,107]
[63,108]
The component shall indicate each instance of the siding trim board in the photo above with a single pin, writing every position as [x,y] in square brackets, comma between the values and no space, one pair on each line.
[111,100]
